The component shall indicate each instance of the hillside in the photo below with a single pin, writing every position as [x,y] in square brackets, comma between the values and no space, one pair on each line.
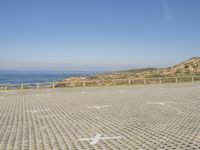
[188,67]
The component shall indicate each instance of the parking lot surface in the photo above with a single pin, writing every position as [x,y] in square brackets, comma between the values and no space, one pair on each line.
[146,117]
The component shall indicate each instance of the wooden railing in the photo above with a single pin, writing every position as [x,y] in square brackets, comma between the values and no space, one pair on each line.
[104,82]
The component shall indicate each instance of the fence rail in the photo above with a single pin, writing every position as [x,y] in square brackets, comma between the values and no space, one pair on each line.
[103,82]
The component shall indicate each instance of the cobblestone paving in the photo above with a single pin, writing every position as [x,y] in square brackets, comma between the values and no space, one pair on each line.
[150,117]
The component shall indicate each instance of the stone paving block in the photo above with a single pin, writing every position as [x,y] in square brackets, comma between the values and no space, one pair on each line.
[158,117]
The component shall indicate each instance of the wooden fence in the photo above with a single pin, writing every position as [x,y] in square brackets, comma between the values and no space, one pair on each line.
[104,82]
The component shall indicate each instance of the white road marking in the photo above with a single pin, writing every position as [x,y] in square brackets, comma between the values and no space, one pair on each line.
[98,137]
[83,92]
[99,107]
[169,106]
[160,103]
[104,106]
[36,111]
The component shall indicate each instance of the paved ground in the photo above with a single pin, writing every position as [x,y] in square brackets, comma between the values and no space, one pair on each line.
[149,117]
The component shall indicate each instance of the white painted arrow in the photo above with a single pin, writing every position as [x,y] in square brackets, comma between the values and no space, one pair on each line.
[97,138]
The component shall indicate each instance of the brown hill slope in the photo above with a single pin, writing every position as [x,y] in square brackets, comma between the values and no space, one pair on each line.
[188,67]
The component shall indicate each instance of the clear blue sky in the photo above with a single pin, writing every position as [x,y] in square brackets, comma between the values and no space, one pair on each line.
[97,34]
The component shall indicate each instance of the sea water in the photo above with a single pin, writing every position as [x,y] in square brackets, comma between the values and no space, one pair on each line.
[17,77]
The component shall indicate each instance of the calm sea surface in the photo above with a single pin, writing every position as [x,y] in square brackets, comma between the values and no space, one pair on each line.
[16,77]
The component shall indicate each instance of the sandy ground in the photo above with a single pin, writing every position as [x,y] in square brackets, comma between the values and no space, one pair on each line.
[146,117]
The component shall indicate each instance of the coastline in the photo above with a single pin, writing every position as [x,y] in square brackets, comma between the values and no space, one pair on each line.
[24,77]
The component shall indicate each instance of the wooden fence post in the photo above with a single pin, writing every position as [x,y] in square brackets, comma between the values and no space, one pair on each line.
[38,86]
[192,78]
[84,83]
[144,81]
[160,80]
[129,81]
[176,80]
[53,84]
[22,86]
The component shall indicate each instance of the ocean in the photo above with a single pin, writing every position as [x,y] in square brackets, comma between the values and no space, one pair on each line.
[17,77]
